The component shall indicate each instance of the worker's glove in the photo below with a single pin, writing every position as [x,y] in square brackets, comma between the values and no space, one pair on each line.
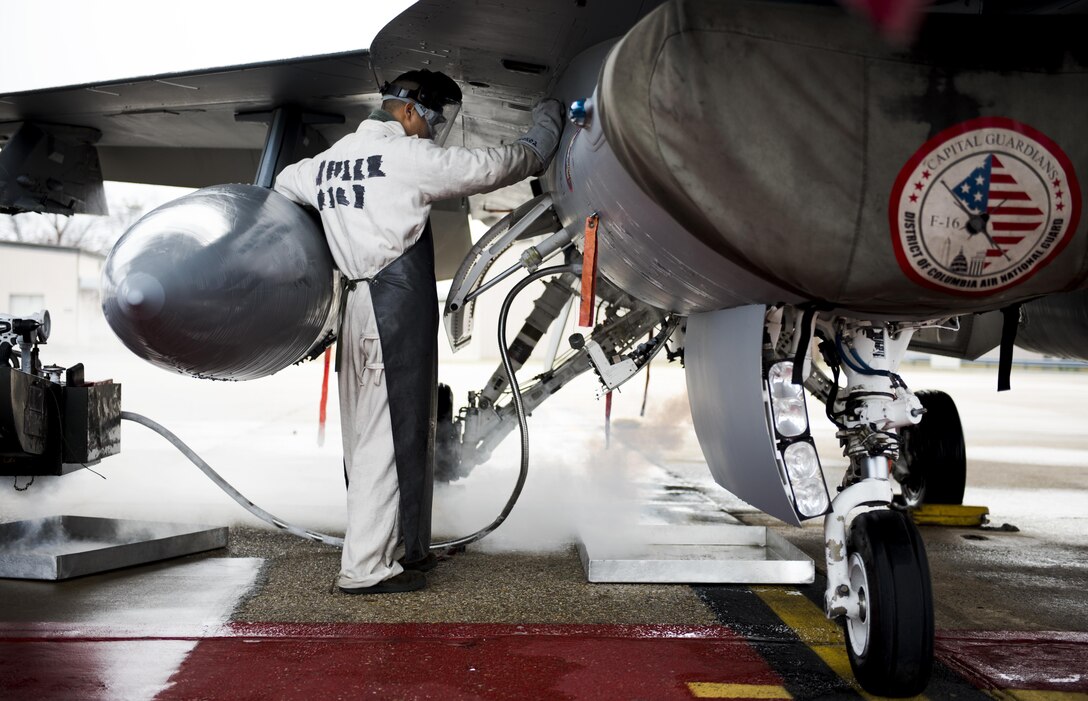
[543,137]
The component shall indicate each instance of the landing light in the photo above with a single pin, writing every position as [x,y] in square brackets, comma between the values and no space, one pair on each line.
[798,456]
[807,479]
[787,401]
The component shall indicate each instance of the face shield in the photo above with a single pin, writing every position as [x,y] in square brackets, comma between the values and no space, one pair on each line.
[439,122]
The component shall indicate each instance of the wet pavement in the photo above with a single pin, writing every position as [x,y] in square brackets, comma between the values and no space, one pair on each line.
[514,617]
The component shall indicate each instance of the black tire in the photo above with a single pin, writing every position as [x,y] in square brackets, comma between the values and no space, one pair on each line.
[447,440]
[891,646]
[933,454]
[444,406]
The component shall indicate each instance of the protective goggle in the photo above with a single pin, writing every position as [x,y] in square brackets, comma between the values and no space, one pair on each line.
[439,124]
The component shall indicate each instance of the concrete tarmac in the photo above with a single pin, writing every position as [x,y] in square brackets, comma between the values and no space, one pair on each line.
[514,617]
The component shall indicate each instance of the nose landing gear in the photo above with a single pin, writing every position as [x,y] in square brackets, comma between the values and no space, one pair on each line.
[878,582]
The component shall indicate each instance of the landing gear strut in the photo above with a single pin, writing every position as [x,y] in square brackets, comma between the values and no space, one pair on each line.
[878,583]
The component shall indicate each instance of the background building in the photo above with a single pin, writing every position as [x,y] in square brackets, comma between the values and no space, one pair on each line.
[63,281]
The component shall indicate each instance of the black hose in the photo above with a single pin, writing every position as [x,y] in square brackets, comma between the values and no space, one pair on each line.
[519,407]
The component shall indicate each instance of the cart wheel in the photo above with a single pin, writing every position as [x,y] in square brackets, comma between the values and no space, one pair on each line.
[890,644]
[447,440]
[444,406]
[932,454]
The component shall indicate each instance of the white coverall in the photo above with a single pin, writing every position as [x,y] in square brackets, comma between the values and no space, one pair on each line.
[374,189]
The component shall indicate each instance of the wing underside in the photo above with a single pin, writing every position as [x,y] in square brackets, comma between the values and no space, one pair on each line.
[200,128]
[207,127]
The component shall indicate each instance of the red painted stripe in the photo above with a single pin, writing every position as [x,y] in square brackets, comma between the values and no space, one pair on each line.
[1002,179]
[994,253]
[62,670]
[1044,661]
[1008,195]
[1015,225]
[1015,211]
[462,661]
[1007,240]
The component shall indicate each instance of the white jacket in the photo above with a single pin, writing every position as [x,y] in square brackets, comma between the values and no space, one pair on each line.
[374,188]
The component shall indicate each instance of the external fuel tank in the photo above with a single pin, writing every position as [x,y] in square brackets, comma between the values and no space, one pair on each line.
[764,152]
[642,248]
[231,282]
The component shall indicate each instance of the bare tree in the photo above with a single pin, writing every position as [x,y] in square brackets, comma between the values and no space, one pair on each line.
[72,231]
[96,234]
[122,216]
[16,227]
[52,229]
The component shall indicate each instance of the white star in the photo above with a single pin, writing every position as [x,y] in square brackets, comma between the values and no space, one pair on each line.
[966,188]
[978,180]
[978,197]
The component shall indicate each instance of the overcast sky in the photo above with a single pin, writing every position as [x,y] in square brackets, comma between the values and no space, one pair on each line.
[71,42]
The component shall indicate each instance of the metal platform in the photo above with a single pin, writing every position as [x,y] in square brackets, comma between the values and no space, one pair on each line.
[62,547]
[693,554]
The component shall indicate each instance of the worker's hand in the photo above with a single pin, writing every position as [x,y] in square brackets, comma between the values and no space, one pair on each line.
[543,137]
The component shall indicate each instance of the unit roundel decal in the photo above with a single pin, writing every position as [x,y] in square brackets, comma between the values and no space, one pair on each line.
[983,206]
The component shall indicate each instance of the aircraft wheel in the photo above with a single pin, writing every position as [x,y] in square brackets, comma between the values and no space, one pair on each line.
[932,454]
[890,644]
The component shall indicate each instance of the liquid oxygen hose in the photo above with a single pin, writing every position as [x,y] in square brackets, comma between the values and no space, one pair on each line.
[519,408]
[226,486]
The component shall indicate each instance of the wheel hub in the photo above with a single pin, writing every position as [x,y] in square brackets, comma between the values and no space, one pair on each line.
[857,628]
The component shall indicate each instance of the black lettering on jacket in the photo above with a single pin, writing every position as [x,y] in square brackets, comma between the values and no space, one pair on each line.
[374,167]
[347,171]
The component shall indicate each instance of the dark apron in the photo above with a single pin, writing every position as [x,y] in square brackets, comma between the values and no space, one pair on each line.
[406,311]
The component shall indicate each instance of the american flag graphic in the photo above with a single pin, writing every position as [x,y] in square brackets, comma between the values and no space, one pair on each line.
[992,189]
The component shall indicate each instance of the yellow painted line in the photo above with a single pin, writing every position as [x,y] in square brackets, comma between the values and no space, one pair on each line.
[823,636]
[800,614]
[1040,695]
[714,690]
[950,515]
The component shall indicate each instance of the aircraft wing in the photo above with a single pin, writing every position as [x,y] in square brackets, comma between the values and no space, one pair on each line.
[199,128]
[191,129]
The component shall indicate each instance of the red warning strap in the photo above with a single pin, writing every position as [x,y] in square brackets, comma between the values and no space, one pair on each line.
[608,420]
[587,313]
[322,414]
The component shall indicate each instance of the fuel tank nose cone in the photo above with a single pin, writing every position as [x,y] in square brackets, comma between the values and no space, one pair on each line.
[140,296]
[231,282]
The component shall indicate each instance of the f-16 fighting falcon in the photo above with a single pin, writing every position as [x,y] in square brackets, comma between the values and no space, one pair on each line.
[778,193]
